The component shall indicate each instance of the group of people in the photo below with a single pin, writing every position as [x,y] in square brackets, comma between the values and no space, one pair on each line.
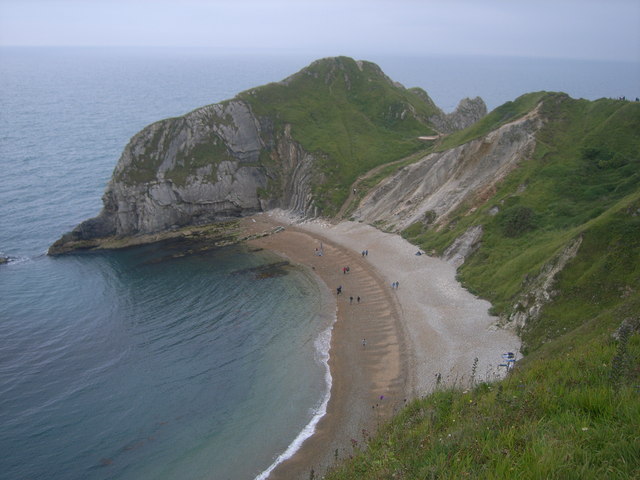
[395,285]
[339,291]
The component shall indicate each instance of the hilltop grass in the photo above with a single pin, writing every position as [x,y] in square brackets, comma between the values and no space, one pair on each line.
[350,116]
[571,408]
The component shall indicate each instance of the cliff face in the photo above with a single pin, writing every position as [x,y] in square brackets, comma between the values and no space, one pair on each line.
[297,145]
[468,112]
[201,168]
[432,188]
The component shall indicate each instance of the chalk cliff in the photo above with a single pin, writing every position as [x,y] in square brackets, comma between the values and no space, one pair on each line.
[433,187]
[200,168]
[296,145]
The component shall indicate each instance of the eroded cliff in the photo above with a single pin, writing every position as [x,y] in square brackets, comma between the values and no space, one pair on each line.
[201,168]
[435,186]
[295,145]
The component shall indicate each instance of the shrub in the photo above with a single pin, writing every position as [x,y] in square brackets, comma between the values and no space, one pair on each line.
[517,220]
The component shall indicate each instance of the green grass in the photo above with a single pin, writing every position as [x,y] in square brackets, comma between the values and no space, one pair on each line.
[351,118]
[348,114]
[571,408]
[566,190]
[558,417]
[505,113]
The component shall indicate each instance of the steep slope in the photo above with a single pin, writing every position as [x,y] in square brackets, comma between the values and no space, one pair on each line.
[432,188]
[296,144]
[585,162]
[555,246]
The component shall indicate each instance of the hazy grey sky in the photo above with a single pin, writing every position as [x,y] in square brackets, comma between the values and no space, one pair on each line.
[604,29]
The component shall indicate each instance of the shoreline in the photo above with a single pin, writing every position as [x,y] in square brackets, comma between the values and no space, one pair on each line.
[322,345]
[369,383]
[309,428]
[427,332]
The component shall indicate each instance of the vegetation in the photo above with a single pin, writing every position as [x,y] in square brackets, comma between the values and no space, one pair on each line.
[571,408]
[508,112]
[350,115]
[558,416]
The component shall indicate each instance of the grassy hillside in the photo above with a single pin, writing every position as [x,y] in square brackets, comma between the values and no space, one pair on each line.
[571,408]
[350,115]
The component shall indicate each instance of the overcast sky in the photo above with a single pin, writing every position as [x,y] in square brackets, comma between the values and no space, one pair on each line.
[604,29]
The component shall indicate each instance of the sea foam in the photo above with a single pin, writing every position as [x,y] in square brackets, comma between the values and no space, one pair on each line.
[322,345]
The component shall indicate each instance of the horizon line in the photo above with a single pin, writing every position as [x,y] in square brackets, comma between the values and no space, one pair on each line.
[312,52]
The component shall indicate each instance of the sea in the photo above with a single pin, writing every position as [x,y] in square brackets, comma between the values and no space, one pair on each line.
[145,364]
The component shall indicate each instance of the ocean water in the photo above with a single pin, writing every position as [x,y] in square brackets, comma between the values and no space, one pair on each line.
[135,364]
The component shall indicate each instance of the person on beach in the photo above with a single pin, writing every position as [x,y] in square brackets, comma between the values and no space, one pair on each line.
[350,300]
[364,342]
[339,290]
[358,299]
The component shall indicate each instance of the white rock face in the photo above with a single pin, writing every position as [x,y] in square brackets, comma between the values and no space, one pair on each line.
[468,112]
[441,182]
[463,246]
[539,291]
[203,167]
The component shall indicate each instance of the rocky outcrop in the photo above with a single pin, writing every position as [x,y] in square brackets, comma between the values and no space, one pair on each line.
[204,167]
[297,173]
[463,246]
[538,291]
[226,161]
[441,182]
[468,112]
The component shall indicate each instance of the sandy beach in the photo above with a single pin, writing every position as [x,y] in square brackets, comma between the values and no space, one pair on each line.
[426,330]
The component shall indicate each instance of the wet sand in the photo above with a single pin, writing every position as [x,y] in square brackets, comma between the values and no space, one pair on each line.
[427,328]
